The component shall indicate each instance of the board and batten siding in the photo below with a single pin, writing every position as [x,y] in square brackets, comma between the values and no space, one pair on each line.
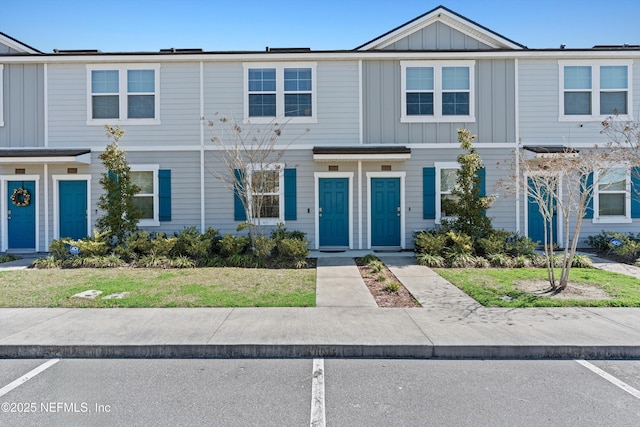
[23,91]
[438,36]
[494,106]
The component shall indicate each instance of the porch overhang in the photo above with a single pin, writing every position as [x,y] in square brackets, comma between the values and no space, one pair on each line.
[549,151]
[45,155]
[362,153]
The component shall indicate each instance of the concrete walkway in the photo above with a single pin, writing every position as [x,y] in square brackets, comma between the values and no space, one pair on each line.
[449,325]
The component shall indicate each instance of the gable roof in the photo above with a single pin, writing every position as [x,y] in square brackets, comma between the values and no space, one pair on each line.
[447,17]
[16,45]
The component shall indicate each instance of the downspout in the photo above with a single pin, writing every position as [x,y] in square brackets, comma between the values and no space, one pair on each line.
[46,207]
[45,118]
[517,144]
[202,198]
[361,141]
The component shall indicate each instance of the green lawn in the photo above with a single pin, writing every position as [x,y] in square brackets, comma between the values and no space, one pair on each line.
[198,287]
[490,287]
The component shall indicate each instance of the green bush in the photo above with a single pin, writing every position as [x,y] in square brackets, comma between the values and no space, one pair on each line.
[231,245]
[59,249]
[293,248]
[368,258]
[582,261]
[139,242]
[193,244]
[376,266]
[458,244]
[391,287]
[262,246]
[429,260]
[432,243]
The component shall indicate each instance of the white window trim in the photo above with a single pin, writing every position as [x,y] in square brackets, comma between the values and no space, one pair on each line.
[155,221]
[437,92]
[122,94]
[595,90]
[439,166]
[256,168]
[56,198]
[612,219]
[1,95]
[279,67]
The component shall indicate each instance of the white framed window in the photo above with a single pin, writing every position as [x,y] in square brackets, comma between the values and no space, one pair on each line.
[612,196]
[594,90]
[126,94]
[266,194]
[437,91]
[280,91]
[446,180]
[146,177]
[1,95]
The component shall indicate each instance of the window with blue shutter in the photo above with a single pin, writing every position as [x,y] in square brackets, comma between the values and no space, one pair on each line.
[635,192]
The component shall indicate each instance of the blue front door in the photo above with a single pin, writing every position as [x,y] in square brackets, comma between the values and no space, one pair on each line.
[333,212]
[21,219]
[385,212]
[536,222]
[73,209]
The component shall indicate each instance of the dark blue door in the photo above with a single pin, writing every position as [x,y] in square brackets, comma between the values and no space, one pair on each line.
[73,209]
[22,219]
[334,212]
[535,220]
[385,212]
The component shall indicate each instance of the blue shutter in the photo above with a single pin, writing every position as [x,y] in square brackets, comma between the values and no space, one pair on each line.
[482,174]
[290,203]
[238,208]
[429,193]
[589,185]
[635,192]
[482,191]
[164,194]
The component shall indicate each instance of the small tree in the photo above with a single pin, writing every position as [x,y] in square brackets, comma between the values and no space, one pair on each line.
[121,215]
[252,164]
[467,202]
[563,184]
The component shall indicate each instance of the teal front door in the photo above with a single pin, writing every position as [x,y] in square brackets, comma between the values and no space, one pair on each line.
[21,215]
[73,208]
[536,222]
[385,212]
[333,212]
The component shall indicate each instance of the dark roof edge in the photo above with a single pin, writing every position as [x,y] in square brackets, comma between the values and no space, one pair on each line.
[377,149]
[43,152]
[19,42]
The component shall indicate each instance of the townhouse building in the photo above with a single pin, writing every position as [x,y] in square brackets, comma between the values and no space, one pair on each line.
[370,135]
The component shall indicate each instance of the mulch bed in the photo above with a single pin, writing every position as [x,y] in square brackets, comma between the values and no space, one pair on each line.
[384,298]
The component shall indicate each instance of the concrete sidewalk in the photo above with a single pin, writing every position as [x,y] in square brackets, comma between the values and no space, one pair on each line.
[449,325]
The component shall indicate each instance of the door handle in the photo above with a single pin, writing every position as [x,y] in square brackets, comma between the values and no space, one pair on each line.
[398,210]
[319,212]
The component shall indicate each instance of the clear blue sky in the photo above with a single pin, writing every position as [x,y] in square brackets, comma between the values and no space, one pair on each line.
[149,25]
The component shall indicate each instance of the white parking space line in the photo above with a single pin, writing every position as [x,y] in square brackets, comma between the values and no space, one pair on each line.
[317,394]
[613,380]
[26,377]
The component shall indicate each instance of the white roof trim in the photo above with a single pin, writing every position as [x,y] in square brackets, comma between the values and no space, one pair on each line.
[16,45]
[82,159]
[357,157]
[454,21]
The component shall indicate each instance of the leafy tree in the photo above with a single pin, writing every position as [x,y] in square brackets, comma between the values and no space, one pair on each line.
[252,162]
[121,216]
[467,202]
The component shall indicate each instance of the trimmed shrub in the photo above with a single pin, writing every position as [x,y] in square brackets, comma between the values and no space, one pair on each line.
[293,248]
[582,261]
[429,260]
[262,246]
[432,243]
[231,245]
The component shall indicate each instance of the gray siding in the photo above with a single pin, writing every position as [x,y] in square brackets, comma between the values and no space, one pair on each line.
[438,36]
[540,92]
[494,105]
[23,106]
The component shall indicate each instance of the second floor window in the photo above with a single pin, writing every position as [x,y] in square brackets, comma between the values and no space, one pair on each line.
[594,91]
[437,92]
[274,91]
[123,95]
